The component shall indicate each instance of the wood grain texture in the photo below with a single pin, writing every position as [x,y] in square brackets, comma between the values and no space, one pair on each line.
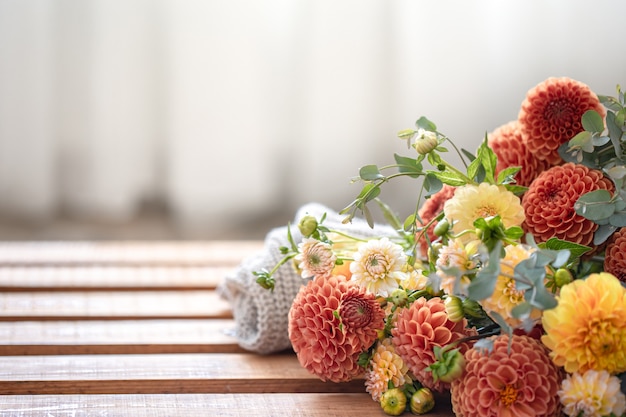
[201,405]
[223,253]
[111,278]
[18,306]
[162,374]
[80,337]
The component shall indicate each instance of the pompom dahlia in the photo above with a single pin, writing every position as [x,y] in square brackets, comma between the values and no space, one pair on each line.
[378,266]
[615,255]
[551,115]
[587,328]
[385,366]
[418,329]
[549,203]
[331,322]
[522,382]
[506,142]
[431,209]
[471,202]
[592,394]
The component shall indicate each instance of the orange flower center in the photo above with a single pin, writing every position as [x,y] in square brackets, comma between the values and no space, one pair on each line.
[486,211]
[515,296]
[508,395]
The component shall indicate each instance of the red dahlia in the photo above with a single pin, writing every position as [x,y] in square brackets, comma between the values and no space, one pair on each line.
[549,203]
[506,142]
[551,115]
[615,255]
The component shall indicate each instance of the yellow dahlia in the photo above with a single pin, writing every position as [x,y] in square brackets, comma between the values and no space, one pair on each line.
[471,202]
[592,394]
[505,296]
[378,266]
[587,329]
[385,366]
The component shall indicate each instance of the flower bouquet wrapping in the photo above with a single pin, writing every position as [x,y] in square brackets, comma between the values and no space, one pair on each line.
[505,287]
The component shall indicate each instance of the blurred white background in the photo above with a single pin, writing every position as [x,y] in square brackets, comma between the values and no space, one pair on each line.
[224,116]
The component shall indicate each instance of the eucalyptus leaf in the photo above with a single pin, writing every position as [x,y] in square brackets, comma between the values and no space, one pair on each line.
[610,103]
[483,284]
[432,184]
[618,219]
[603,233]
[521,310]
[615,133]
[600,140]
[542,298]
[583,141]
[370,173]
[595,205]
[592,121]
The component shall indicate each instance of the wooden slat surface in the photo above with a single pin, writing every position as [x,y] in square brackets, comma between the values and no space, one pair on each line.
[117,337]
[120,305]
[137,329]
[108,277]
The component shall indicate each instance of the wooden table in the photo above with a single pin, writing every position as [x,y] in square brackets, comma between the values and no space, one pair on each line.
[137,329]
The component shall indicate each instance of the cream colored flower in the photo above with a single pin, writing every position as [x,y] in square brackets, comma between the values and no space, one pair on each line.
[592,394]
[385,366]
[505,296]
[378,266]
[315,258]
[455,255]
[414,280]
[471,202]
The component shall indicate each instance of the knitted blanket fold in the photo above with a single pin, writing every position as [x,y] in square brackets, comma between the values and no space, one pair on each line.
[261,315]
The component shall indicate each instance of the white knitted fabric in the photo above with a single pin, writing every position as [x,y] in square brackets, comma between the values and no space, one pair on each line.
[261,316]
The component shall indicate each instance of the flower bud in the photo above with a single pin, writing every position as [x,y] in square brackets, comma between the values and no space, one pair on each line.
[398,297]
[425,142]
[441,228]
[562,277]
[393,402]
[422,401]
[454,308]
[307,225]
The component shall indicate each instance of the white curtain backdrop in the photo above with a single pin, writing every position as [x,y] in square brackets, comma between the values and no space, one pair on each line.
[232,109]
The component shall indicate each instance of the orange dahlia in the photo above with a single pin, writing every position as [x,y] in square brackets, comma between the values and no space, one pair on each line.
[418,329]
[521,381]
[549,203]
[506,142]
[331,322]
[431,209]
[615,255]
[551,115]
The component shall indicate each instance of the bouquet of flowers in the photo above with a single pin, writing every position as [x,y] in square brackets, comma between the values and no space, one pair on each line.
[504,288]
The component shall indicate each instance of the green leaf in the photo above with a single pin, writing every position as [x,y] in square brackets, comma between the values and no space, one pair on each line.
[409,222]
[592,121]
[449,178]
[556,244]
[600,140]
[595,205]
[368,193]
[610,103]
[521,310]
[370,173]
[507,174]
[432,184]
[426,124]
[615,133]
[514,232]
[408,165]
[583,141]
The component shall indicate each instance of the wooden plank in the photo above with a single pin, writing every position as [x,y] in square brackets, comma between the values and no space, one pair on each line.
[117,337]
[220,253]
[114,305]
[161,374]
[118,278]
[202,405]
